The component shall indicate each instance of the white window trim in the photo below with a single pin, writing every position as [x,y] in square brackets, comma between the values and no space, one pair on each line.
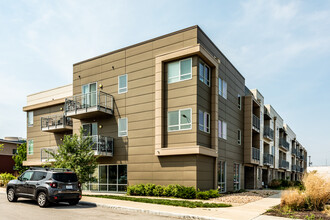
[220,84]
[119,132]
[28,119]
[200,126]
[239,176]
[179,125]
[207,121]
[28,150]
[126,88]
[239,97]
[222,91]
[224,131]
[239,140]
[225,176]
[204,79]
[180,76]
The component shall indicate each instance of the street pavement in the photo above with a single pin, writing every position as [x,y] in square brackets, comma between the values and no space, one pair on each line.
[29,210]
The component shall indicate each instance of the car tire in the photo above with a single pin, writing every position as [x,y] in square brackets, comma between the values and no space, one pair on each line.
[74,202]
[42,200]
[11,195]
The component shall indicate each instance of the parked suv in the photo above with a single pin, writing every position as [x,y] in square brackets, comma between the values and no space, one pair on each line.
[46,186]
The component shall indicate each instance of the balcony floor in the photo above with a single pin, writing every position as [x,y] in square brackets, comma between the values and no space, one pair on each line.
[58,128]
[90,112]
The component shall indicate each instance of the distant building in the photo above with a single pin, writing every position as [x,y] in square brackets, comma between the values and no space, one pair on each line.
[10,148]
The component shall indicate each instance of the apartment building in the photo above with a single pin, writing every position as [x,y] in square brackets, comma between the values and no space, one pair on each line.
[170,110]
[8,150]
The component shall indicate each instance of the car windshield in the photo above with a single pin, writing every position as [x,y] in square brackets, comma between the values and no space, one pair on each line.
[65,177]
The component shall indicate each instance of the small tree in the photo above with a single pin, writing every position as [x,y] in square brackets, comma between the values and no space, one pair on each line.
[76,154]
[19,157]
[1,147]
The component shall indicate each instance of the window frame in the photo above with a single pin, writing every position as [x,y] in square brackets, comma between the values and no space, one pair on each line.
[204,78]
[29,152]
[239,97]
[223,88]
[179,123]
[237,173]
[180,75]
[126,88]
[206,122]
[29,118]
[224,130]
[119,132]
[222,164]
[239,137]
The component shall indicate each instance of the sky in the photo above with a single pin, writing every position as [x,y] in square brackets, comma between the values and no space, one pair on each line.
[282,48]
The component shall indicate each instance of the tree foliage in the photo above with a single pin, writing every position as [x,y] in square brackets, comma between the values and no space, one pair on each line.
[76,154]
[19,157]
[1,147]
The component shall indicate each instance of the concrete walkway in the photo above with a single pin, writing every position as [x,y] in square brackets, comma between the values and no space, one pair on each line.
[253,210]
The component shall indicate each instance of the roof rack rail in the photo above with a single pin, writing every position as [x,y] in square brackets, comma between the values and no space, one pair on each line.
[38,168]
[51,169]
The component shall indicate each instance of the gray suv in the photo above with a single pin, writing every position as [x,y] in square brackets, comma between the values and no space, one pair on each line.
[46,186]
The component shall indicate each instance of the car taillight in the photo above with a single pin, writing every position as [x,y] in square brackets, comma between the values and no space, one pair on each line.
[53,185]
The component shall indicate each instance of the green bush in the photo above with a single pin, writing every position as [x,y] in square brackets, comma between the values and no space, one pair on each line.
[159,190]
[136,190]
[185,192]
[203,195]
[213,193]
[274,184]
[148,189]
[6,177]
[169,190]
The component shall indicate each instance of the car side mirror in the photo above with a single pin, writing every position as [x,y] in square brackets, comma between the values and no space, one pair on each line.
[19,178]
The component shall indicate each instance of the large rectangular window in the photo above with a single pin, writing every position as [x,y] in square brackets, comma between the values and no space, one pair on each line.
[122,127]
[179,70]
[223,88]
[122,84]
[30,147]
[204,73]
[239,137]
[222,176]
[89,95]
[30,118]
[204,121]
[237,177]
[179,120]
[222,126]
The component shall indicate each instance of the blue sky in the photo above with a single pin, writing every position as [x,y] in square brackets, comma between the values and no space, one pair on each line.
[280,47]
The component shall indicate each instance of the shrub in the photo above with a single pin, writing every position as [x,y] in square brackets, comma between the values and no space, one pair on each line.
[213,193]
[203,195]
[136,190]
[169,190]
[186,192]
[275,184]
[6,177]
[293,200]
[148,189]
[159,190]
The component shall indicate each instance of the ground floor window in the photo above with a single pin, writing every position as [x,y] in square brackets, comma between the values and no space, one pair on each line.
[112,178]
[222,176]
[237,177]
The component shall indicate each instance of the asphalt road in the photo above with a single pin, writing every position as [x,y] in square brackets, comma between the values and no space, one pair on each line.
[29,210]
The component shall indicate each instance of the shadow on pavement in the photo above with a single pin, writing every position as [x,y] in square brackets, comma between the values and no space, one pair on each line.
[61,205]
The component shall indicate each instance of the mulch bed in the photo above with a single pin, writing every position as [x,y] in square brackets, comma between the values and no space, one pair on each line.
[312,215]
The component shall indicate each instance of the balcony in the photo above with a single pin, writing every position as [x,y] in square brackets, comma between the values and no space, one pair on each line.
[255,153]
[102,146]
[268,133]
[294,151]
[256,123]
[268,159]
[283,164]
[88,105]
[301,169]
[294,168]
[302,157]
[284,144]
[56,123]
[45,154]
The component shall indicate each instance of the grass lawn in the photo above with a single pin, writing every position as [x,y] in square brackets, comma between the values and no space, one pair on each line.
[310,215]
[182,203]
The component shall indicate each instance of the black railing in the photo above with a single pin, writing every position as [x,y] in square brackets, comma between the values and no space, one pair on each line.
[268,132]
[294,168]
[55,122]
[284,164]
[256,122]
[284,144]
[268,159]
[102,145]
[294,151]
[255,153]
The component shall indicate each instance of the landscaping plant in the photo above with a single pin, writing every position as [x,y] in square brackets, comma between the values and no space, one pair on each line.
[6,177]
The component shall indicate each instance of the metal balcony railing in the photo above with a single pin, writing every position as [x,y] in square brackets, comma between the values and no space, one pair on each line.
[102,145]
[268,159]
[284,144]
[294,151]
[301,169]
[89,102]
[294,168]
[55,122]
[302,156]
[256,122]
[45,154]
[283,164]
[255,153]
[268,132]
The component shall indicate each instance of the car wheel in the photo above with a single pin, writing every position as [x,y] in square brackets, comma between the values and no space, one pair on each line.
[42,200]
[11,195]
[74,202]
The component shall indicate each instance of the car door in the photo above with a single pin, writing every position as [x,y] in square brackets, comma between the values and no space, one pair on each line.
[34,182]
[21,187]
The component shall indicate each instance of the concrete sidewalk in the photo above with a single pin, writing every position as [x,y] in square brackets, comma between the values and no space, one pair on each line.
[253,210]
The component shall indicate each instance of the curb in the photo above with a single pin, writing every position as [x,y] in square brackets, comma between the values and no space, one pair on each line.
[160,213]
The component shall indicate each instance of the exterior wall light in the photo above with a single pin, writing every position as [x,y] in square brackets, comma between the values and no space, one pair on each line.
[100,126]
[101,86]
[61,109]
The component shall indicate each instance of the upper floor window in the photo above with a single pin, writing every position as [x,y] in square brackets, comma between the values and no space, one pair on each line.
[89,97]
[179,120]
[204,73]
[222,126]
[204,121]
[30,147]
[30,118]
[239,137]
[239,99]
[122,127]
[122,84]
[179,70]
[223,88]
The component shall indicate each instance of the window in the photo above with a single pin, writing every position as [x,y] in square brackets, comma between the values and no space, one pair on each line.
[90,129]
[204,73]
[222,129]
[27,176]
[179,120]
[122,84]
[46,155]
[273,150]
[259,174]
[14,151]
[30,118]
[239,137]
[204,121]
[239,99]
[122,127]
[30,147]
[222,176]
[236,177]
[38,175]
[223,88]
[89,98]
[179,70]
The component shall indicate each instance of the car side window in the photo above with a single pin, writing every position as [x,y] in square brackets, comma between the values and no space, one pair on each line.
[38,176]
[27,176]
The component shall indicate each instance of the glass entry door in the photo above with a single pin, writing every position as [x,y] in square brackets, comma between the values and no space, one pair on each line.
[89,95]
